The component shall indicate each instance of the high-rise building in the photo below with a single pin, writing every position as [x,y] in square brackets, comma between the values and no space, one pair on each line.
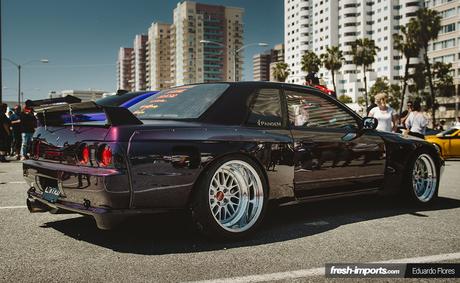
[203,43]
[276,56]
[447,47]
[124,65]
[158,57]
[317,24]
[139,71]
[261,67]
[263,63]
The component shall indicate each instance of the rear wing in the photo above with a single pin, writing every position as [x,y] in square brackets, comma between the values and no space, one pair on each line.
[86,113]
[44,103]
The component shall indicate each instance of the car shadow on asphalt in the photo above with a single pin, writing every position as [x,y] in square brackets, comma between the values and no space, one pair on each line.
[173,232]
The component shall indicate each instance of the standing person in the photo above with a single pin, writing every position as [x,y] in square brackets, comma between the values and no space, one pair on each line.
[416,122]
[16,131]
[4,133]
[386,115]
[457,122]
[405,113]
[28,125]
[370,107]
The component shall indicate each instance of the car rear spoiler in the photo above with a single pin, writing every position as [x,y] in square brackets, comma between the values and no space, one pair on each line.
[44,103]
[84,113]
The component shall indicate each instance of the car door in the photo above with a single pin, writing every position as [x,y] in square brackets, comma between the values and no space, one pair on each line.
[331,155]
[268,138]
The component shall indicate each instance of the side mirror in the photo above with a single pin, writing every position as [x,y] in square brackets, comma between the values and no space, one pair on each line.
[370,123]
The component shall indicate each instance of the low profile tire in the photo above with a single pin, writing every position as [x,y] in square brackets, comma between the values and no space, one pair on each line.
[230,198]
[422,179]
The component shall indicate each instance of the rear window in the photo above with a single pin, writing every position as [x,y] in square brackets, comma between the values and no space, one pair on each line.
[184,102]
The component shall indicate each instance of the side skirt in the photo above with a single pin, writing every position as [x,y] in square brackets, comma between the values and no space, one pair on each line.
[332,196]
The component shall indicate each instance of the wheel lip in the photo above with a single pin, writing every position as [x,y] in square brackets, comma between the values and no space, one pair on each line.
[433,182]
[260,197]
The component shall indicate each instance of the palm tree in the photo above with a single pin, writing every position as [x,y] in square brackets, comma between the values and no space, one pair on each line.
[310,62]
[443,80]
[332,60]
[406,43]
[428,27]
[364,51]
[418,80]
[281,71]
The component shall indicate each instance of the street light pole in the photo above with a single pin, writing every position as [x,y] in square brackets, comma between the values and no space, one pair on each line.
[19,67]
[19,84]
[234,52]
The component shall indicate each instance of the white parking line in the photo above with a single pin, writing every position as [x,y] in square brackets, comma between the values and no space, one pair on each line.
[320,271]
[13,182]
[13,207]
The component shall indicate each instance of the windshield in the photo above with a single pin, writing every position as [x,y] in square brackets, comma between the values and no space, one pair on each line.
[184,102]
[448,132]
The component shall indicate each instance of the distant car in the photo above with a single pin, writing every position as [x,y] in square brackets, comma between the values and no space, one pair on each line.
[222,151]
[447,142]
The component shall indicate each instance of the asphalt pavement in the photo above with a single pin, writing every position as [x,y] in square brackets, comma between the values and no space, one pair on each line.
[294,243]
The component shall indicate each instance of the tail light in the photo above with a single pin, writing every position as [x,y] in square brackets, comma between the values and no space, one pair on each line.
[84,154]
[104,155]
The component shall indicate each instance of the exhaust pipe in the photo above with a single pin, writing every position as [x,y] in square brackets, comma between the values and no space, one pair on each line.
[36,206]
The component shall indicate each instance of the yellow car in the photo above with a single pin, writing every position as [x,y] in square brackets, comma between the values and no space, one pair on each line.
[447,142]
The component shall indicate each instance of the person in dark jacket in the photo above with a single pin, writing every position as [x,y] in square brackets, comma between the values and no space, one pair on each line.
[28,125]
[4,133]
[15,119]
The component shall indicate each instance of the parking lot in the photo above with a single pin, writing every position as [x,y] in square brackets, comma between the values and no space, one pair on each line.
[294,242]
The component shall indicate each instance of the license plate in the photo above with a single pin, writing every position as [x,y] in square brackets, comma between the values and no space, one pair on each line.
[51,194]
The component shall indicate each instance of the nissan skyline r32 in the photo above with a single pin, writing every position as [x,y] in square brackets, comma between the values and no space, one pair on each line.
[222,150]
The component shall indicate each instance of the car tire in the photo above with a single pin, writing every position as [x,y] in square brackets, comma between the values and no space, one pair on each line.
[422,179]
[230,198]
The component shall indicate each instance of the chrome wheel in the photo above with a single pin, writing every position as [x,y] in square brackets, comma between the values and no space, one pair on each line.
[236,196]
[424,179]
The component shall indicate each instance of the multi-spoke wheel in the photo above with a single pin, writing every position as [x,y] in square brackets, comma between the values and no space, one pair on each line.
[231,199]
[423,179]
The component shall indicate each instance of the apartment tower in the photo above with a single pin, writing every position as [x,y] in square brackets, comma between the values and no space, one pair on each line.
[203,43]
[124,67]
[159,57]
[139,71]
[316,24]
[276,56]
[447,47]
[264,63]
[261,67]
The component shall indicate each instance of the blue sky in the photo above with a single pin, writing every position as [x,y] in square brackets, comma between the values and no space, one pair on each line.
[81,38]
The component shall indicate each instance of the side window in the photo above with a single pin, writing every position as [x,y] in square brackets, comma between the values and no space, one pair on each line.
[312,111]
[265,109]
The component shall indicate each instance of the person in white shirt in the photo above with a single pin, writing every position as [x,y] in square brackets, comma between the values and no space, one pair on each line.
[386,115]
[416,122]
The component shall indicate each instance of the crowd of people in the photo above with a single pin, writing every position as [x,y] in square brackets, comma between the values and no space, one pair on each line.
[17,127]
[412,121]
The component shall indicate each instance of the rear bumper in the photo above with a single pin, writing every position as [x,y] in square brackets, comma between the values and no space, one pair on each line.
[98,192]
[99,187]
[105,218]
